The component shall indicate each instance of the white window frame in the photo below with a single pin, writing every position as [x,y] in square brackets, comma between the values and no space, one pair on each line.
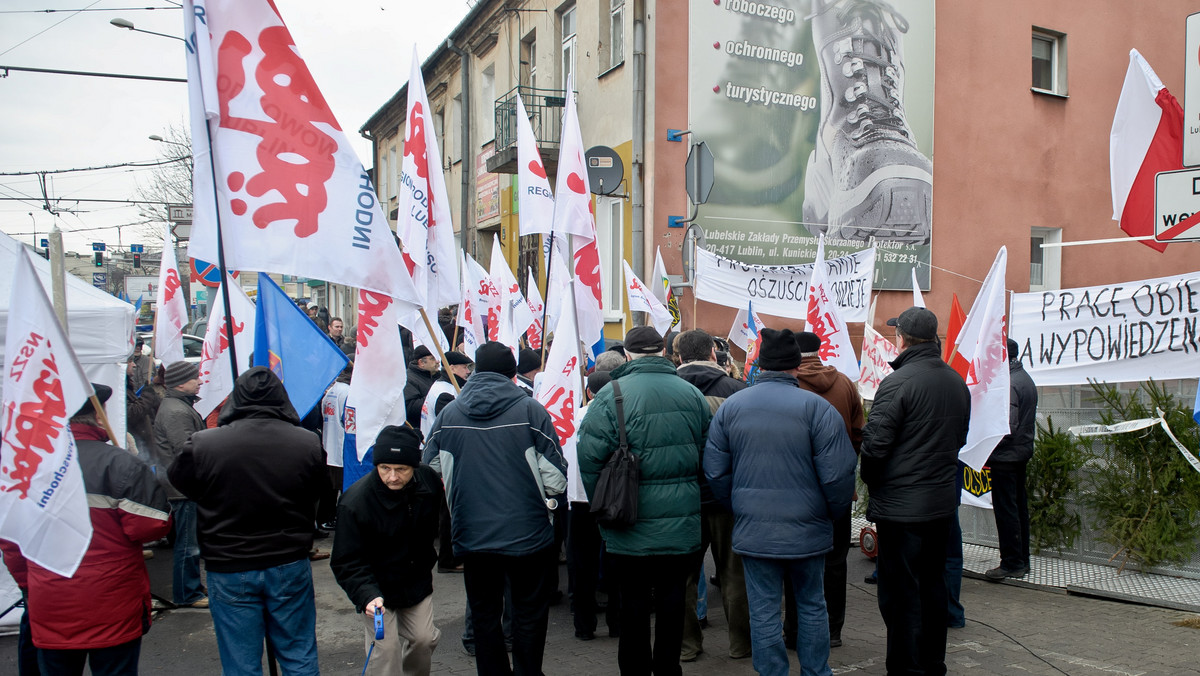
[487,105]
[1051,258]
[454,149]
[1058,61]
[610,241]
[392,171]
[569,51]
[616,33]
[384,171]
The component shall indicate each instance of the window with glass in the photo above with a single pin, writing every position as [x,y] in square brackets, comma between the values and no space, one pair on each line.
[1049,62]
[567,27]
[616,32]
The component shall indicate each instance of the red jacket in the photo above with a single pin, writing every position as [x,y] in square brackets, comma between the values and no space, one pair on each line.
[107,601]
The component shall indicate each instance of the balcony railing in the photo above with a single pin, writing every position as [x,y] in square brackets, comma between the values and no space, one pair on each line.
[545,109]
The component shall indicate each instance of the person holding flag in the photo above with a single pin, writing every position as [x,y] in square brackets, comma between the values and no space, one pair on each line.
[910,450]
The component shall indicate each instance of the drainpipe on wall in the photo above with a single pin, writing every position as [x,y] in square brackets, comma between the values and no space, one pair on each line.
[637,171]
[466,226]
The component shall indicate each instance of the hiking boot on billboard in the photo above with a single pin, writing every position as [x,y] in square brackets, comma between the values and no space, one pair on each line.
[866,176]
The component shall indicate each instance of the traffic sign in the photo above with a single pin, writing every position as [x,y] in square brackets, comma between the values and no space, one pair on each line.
[99,279]
[1177,206]
[137,248]
[698,173]
[45,243]
[179,213]
[97,246]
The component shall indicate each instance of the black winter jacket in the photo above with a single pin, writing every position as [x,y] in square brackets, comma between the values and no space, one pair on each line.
[911,441]
[716,386]
[384,543]
[415,389]
[255,479]
[1017,448]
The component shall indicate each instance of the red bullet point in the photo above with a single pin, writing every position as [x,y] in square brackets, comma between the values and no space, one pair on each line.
[716,45]
[717,89]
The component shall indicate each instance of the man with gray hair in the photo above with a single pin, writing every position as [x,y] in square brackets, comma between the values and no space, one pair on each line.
[666,422]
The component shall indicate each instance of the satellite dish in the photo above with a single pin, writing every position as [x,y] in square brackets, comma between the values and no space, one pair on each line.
[605,170]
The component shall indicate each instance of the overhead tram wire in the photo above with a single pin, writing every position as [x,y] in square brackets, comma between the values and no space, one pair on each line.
[56,23]
[89,8]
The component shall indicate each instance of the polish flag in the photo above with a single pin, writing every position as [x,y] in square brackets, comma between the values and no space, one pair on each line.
[981,342]
[1147,138]
[536,200]
[43,500]
[171,306]
[825,320]
[534,334]
[216,377]
[950,353]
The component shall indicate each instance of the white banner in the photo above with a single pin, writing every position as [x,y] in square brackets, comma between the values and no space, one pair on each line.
[981,342]
[1123,332]
[877,351]
[1133,426]
[782,290]
[171,313]
[216,378]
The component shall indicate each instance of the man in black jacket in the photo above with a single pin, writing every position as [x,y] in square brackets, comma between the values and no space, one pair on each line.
[255,480]
[383,554]
[910,448]
[1007,463]
[697,351]
[422,372]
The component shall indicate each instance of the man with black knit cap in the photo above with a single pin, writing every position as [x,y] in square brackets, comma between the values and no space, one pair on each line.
[779,457]
[665,420]
[174,424]
[498,453]
[910,450]
[834,387]
[529,364]
[256,479]
[422,371]
[383,554]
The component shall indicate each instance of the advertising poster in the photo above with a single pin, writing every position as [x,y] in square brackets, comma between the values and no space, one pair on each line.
[819,116]
[487,187]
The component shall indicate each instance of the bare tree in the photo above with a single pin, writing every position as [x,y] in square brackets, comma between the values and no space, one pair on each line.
[170,183]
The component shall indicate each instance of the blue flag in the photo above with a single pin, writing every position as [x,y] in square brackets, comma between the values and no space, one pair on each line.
[138,305]
[293,347]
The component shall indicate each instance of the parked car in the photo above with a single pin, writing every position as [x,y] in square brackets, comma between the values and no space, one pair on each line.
[193,346]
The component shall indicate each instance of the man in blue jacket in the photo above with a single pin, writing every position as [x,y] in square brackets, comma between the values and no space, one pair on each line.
[781,459]
[499,457]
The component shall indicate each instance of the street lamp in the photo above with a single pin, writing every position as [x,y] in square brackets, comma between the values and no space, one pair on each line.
[156,137]
[125,23]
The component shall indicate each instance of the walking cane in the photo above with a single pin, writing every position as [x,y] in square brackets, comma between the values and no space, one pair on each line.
[378,636]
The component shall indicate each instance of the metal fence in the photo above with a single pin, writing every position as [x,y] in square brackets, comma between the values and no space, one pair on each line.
[545,109]
[1068,406]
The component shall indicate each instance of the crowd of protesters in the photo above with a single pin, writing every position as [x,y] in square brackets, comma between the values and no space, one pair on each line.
[475,482]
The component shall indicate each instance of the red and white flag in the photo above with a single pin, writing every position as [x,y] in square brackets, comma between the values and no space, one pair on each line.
[825,320]
[377,386]
[573,216]
[534,334]
[468,318]
[291,194]
[950,353]
[558,282]
[642,300]
[877,353]
[424,226]
[982,343]
[170,306]
[561,389]
[536,199]
[43,501]
[216,377]
[514,317]
[1147,137]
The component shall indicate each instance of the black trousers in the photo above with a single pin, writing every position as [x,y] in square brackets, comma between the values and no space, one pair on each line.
[446,539]
[529,580]
[118,660]
[646,583]
[912,595]
[1010,504]
[585,550]
[835,585]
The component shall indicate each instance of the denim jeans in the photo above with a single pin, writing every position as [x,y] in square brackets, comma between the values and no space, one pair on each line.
[275,602]
[185,581]
[764,591]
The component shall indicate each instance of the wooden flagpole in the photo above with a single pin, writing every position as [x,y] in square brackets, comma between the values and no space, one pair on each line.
[441,353]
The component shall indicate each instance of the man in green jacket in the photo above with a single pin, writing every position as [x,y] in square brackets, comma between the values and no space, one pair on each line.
[666,421]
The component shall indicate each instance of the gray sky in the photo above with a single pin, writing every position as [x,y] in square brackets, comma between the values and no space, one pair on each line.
[358,52]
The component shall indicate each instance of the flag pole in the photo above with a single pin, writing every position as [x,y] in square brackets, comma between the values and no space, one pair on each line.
[233,361]
[102,418]
[546,296]
[441,353]
[578,344]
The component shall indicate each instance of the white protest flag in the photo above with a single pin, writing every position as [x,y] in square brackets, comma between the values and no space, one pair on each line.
[573,216]
[534,334]
[536,201]
[171,306]
[740,334]
[291,194]
[468,318]
[415,323]
[514,317]
[377,386]
[660,284]
[877,353]
[216,378]
[981,342]
[825,320]
[558,282]
[642,300]
[918,299]
[424,226]
[43,502]
[561,391]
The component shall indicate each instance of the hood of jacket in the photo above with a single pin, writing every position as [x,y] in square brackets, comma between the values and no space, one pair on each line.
[818,377]
[487,395]
[258,393]
[644,365]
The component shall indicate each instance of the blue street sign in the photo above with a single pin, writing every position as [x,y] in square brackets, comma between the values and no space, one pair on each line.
[45,243]
[98,246]
[99,279]
[136,248]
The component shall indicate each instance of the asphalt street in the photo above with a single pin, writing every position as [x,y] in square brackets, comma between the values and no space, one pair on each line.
[1010,630]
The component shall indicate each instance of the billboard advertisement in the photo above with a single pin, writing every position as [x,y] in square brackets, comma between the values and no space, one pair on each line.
[820,119]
